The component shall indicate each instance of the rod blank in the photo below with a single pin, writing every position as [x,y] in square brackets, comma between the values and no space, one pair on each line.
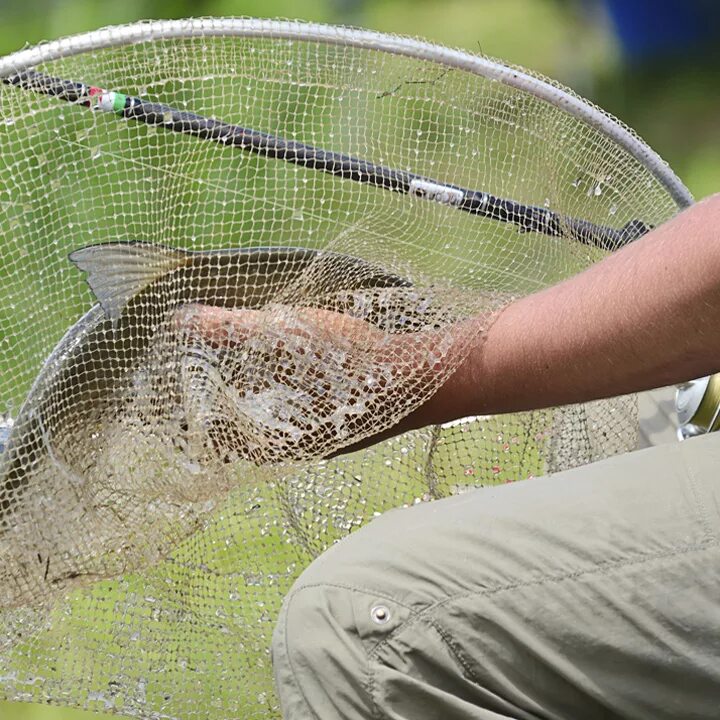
[527,218]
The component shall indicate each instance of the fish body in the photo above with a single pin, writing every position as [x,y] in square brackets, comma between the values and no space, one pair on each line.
[138,287]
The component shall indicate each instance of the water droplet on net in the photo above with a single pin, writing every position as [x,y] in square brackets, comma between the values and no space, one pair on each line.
[595,189]
[6,424]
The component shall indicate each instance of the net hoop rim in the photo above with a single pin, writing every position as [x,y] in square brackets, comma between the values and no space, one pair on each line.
[143,31]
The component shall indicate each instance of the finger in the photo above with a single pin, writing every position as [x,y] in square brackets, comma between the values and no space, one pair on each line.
[219,326]
[228,326]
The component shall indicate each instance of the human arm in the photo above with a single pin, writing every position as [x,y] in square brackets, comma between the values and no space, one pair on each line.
[643,317]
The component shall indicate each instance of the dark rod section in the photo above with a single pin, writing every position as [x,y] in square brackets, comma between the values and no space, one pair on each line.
[527,218]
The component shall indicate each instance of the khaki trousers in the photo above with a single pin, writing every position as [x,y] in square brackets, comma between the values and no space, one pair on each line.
[593,593]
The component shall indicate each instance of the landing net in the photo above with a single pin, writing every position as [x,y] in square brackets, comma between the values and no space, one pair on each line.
[162,485]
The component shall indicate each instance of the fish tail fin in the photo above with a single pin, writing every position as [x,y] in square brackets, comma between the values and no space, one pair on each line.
[118,271]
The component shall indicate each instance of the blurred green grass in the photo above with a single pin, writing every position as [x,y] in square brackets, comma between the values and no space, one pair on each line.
[218,575]
[677,117]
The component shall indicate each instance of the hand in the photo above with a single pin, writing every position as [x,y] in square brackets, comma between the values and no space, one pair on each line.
[289,383]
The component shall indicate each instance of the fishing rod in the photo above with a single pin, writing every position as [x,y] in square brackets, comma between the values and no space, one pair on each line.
[527,218]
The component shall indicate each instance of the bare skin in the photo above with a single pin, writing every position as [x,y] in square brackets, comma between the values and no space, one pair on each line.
[644,317]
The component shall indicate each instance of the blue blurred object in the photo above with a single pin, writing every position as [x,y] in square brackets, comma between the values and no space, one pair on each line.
[647,28]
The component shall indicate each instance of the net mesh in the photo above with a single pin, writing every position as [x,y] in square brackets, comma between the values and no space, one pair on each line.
[166,477]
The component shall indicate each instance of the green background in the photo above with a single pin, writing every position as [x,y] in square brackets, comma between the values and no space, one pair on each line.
[672,104]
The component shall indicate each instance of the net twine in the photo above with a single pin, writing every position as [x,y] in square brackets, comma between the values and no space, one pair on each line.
[160,489]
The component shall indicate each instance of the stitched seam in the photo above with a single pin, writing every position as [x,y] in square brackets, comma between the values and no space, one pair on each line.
[598,567]
[601,568]
[697,493]
[455,650]
[459,655]
[598,570]
[370,689]
[370,674]
[354,588]
[372,684]
[286,649]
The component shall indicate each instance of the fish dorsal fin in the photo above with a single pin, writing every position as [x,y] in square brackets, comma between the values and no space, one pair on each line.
[118,271]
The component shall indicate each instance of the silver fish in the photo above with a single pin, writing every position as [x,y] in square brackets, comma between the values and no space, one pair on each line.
[138,287]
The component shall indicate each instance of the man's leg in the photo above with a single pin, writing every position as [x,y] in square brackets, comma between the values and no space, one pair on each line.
[594,593]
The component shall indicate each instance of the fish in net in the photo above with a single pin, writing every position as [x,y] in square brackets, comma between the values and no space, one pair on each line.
[164,477]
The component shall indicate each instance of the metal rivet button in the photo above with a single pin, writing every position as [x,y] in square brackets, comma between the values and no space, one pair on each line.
[380,614]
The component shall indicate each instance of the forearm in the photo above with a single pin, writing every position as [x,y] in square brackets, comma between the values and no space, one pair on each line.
[646,316]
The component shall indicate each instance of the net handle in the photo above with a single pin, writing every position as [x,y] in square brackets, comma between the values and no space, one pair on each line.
[527,218]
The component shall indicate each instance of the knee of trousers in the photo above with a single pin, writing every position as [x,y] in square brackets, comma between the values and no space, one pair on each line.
[345,626]
[358,601]
[342,608]
[323,649]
